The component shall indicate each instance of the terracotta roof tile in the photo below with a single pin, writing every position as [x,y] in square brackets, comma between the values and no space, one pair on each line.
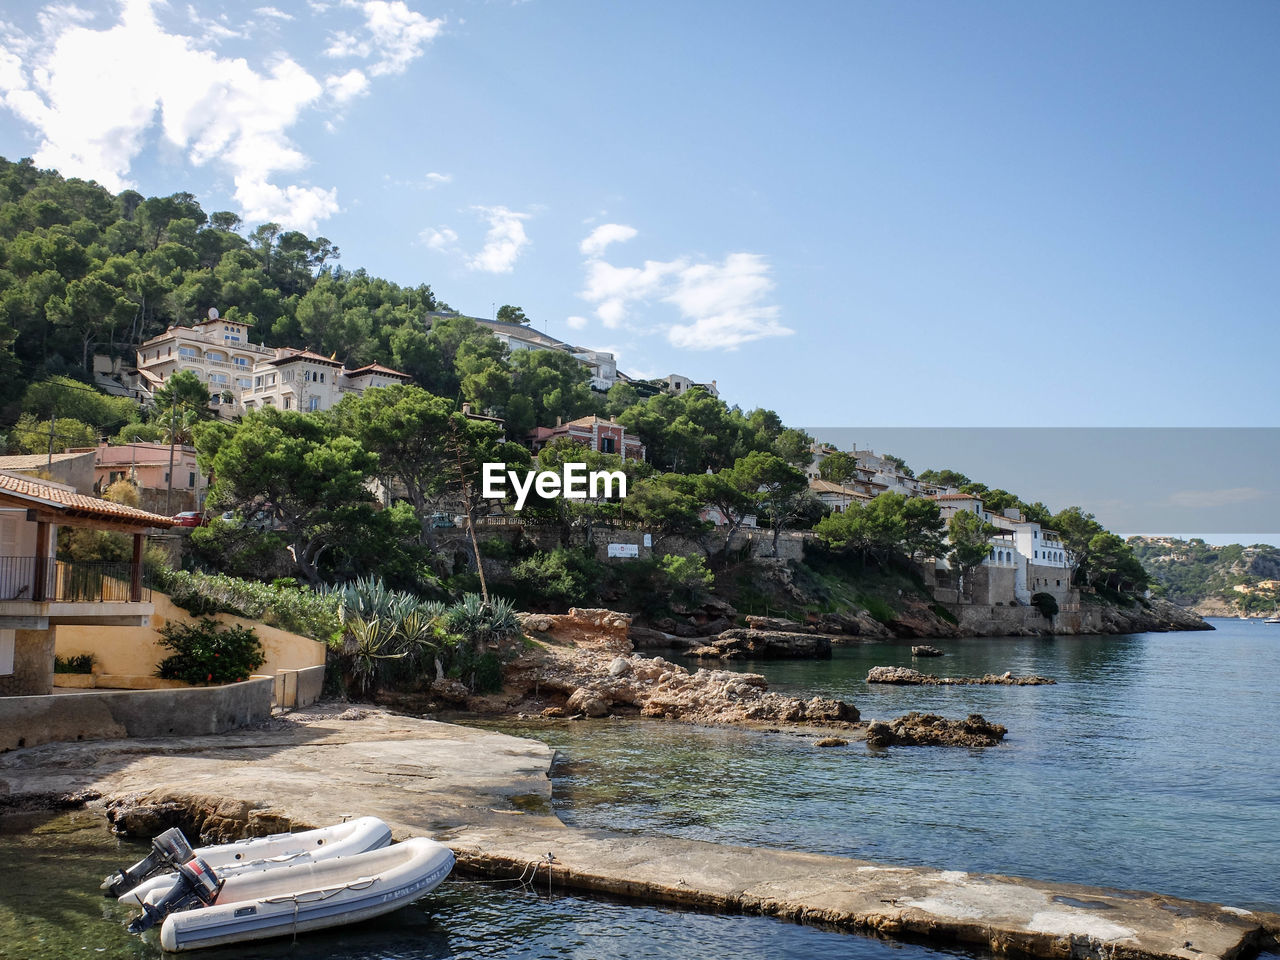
[376,368]
[59,498]
[304,355]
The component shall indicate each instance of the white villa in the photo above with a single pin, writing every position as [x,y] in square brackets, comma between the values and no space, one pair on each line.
[244,376]
[602,365]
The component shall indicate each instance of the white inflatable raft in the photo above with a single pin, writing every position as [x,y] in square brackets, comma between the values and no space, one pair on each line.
[263,853]
[300,896]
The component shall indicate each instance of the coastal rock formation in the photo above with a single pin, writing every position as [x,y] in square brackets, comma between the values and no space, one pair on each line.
[924,650]
[916,729]
[1160,616]
[755,644]
[905,676]
[849,623]
[652,687]
[211,818]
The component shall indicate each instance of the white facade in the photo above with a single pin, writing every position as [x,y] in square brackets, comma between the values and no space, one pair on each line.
[676,384]
[217,351]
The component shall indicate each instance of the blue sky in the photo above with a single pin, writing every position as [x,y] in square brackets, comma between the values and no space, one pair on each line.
[858,214]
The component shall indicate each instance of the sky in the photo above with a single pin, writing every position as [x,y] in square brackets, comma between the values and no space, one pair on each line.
[889,214]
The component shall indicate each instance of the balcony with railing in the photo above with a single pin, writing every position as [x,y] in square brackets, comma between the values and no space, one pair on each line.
[45,580]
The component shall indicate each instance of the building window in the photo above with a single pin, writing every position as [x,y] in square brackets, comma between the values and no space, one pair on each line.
[606,445]
[322,378]
[313,404]
[240,361]
[187,352]
[286,402]
[244,382]
[191,479]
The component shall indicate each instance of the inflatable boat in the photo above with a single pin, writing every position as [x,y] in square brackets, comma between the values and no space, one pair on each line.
[170,850]
[205,910]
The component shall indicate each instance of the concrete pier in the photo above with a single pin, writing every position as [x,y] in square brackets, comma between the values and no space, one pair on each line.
[487,795]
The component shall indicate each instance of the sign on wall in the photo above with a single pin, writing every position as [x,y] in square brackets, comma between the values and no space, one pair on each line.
[624,550]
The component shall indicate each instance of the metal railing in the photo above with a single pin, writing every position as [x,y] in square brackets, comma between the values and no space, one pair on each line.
[61,581]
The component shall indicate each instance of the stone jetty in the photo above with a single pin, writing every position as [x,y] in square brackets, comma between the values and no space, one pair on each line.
[487,795]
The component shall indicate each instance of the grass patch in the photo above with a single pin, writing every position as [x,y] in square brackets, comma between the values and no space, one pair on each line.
[944,614]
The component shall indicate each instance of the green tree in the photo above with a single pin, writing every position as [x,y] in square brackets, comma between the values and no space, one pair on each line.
[509,314]
[838,467]
[294,469]
[407,428]
[970,539]
[945,478]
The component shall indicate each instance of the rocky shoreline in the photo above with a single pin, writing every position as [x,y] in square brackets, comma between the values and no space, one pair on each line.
[711,630]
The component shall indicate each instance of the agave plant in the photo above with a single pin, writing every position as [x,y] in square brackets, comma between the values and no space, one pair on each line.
[389,635]
[482,622]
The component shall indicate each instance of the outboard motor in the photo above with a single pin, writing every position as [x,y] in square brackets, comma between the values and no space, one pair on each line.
[170,849]
[197,886]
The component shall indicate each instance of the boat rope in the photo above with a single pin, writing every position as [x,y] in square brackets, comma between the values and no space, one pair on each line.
[321,894]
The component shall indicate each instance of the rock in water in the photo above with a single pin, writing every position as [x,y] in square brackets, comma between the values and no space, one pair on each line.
[905,676]
[924,650]
[916,729]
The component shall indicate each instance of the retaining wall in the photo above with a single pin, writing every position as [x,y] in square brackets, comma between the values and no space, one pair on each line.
[123,653]
[109,715]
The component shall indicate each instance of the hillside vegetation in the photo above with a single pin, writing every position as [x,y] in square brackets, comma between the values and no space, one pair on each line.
[85,272]
[1195,573]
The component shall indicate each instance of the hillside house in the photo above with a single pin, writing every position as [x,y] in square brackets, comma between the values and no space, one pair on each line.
[595,433]
[38,592]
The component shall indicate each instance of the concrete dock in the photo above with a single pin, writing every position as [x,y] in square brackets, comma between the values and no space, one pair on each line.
[487,796]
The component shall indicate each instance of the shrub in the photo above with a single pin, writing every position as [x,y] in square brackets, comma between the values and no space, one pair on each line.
[298,609]
[1046,604]
[80,663]
[879,609]
[560,577]
[686,576]
[205,653]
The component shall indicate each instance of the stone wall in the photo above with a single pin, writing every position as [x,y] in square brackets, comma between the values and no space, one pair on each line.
[32,664]
[99,715]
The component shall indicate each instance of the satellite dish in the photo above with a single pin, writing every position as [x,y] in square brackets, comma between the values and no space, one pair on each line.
[213,313]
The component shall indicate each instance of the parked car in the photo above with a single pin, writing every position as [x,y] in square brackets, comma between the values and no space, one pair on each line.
[190,518]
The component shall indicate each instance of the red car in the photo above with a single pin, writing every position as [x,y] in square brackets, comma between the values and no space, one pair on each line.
[190,518]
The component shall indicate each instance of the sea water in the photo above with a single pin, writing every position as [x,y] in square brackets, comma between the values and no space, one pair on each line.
[1153,763]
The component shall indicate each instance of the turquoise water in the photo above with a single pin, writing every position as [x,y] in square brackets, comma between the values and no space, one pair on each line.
[1154,763]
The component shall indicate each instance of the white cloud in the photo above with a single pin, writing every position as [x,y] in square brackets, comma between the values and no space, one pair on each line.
[274,13]
[346,87]
[504,241]
[441,238]
[723,305]
[612,288]
[394,35]
[603,235]
[96,96]
[576,323]
[436,179]
[212,29]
